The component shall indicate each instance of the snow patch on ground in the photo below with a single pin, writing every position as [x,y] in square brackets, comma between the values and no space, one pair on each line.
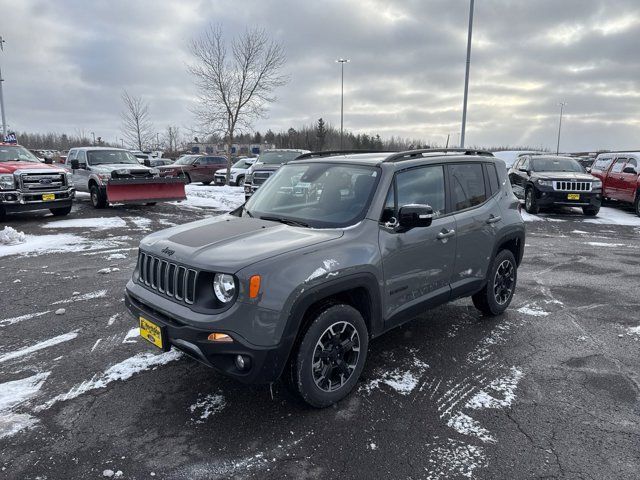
[633,330]
[454,459]
[39,346]
[80,298]
[142,223]
[327,265]
[222,198]
[604,244]
[464,424]
[100,223]
[12,395]
[115,256]
[533,311]
[401,380]
[132,335]
[10,236]
[108,270]
[10,321]
[208,405]
[501,392]
[120,371]
[58,243]
[606,216]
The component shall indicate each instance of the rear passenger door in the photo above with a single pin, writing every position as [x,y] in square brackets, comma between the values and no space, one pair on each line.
[628,181]
[416,263]
[615,180]
[473,190]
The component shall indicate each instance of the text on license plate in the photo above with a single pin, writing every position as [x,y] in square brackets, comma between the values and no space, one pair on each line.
[151,332]
[48,196]
[573,196]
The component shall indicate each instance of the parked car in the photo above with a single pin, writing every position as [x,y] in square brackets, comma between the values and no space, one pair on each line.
[237,174]
[297,286]
[550,180]
[195,168]
[618,172]
[511,156]
[114,175]
[160,162]
[267,163]
[27,184]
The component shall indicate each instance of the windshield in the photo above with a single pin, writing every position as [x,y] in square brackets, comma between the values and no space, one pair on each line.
[186,160]
[277,157]
[19,154]
[104,157]
[556,165]
[319,195]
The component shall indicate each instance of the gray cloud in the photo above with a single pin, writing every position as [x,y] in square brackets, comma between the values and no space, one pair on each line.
[67,61]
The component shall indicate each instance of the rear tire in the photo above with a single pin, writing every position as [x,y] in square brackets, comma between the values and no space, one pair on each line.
[497,294]
[60,212]
[150,204]
[530,202]
[98,197]
[590,211]
[186,177]
[636,205]
[330,356]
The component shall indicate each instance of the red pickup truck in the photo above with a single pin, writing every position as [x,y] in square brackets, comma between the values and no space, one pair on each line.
[619,174]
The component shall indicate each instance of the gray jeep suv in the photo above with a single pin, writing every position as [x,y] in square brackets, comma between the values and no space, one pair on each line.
[330,253]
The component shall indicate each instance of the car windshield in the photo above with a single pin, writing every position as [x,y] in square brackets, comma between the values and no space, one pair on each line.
[277,157]
[186,160]
[318,195]
[555,165]
[19,154]
[104,157]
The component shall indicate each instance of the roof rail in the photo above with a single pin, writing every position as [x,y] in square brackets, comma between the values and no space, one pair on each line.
[410,154]
[332,153]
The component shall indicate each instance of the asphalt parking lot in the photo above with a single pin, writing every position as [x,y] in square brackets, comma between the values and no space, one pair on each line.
[548,390]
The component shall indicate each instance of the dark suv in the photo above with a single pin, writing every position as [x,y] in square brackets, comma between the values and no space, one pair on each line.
[551,180]
[328,254]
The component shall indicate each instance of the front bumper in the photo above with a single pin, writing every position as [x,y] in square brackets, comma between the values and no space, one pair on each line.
[547,198]
[265,365]
[17,201]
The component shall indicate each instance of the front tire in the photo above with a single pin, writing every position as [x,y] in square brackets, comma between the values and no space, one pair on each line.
[530,202]
[497,294]
[60,212]
[240,182]
[98,197]
[590,211]
[330,357]
[207,183]
[636,205]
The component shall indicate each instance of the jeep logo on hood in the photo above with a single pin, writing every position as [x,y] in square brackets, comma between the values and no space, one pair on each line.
[168,251]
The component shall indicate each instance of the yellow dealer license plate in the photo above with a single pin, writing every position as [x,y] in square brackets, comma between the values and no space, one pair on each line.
[150,331]
[573,196]
[48,196]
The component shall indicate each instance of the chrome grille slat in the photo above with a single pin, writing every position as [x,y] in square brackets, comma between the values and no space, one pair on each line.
[260,177]
[31,182]
[168,278]
[572,186]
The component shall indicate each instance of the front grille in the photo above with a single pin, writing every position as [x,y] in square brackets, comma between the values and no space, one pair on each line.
[571,186]
[41,182]
[260,177]
[167,278]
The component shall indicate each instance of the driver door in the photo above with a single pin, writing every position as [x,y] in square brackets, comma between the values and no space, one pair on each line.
[416,264]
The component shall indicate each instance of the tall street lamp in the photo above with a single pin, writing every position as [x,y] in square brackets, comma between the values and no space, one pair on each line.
[342,61]
[562,105]
[466,76]
[4,119]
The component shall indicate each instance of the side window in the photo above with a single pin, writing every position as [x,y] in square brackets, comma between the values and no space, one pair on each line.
[525,163]
[424,185]
[632,163]
[493,178]
[617,167]
[602,163]
[71,156]
[467,185]
[82,156]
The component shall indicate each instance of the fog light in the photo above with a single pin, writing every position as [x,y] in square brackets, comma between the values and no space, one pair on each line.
[219,337]
[243,362]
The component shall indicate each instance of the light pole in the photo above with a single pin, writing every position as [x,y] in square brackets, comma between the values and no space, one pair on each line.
[466,76]
[342,61]
[562,105]
[94,138]
[4,119]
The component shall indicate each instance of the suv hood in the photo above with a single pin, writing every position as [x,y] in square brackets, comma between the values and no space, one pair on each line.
[10,167]
[228,243]
[265,166]
[564,176]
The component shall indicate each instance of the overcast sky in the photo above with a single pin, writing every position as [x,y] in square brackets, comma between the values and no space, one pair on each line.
[66,62]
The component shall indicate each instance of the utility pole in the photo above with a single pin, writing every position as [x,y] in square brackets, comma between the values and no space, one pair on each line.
[4,119]
[342,61]
[562,105]
[466,77]
[94,138]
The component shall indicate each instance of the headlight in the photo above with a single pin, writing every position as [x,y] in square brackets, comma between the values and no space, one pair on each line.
[7,182]
[545,183]
[224,287]
[154,171]
[69,179]
[104,176]
[596,184]
[123,171]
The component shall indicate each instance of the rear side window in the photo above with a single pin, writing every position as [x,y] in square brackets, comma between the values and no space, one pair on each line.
[617,167]
[494,183]
[467,185]
[632,163]
[424,185]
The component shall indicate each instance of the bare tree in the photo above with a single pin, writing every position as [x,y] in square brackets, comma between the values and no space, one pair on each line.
[235,89]
[136,125]
[172,135]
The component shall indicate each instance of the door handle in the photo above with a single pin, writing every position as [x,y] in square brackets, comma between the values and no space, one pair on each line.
[493,219]
[444,234]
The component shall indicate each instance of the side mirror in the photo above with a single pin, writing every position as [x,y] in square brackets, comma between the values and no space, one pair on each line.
[147,162]
[75,165]
[414,215]
[629,170]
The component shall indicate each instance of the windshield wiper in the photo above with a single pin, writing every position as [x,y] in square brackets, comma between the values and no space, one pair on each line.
[247,212]
[286,221]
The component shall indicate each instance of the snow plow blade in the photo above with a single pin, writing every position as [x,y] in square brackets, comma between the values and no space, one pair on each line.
[145,190]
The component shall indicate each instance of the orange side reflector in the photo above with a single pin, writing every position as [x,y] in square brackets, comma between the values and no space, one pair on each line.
[219,337]
[254,286]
